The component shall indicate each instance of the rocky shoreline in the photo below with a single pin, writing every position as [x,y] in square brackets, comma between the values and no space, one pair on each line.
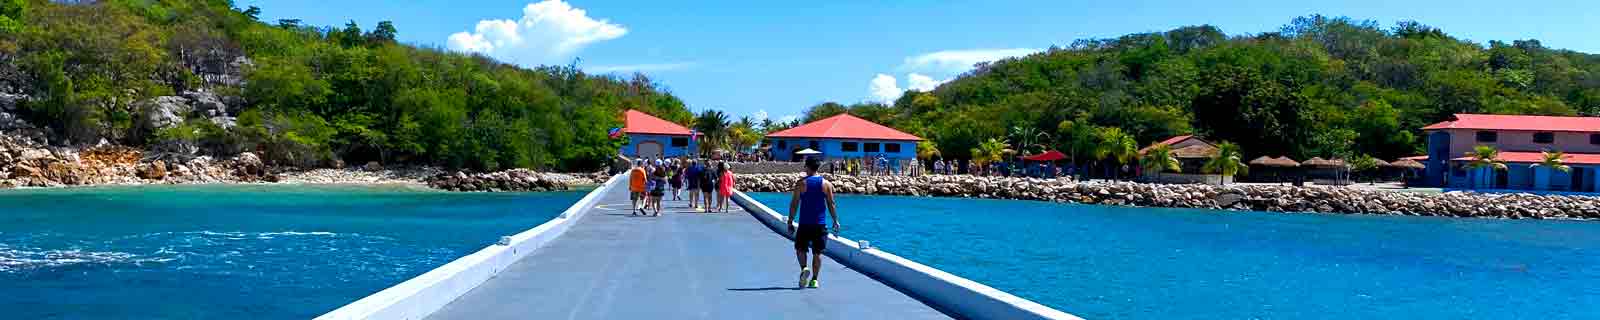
[512,180]
[24,163]
[1230,197]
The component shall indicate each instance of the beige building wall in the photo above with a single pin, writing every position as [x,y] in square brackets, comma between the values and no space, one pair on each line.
[1464,140]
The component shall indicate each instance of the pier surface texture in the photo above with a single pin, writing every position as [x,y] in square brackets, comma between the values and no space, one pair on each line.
[681,265]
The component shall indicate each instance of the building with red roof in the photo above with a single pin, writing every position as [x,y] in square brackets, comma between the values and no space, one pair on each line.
[843,136]
[650,137]
[1522,141]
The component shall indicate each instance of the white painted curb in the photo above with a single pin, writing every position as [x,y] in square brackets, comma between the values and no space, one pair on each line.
[421,296]
[968,299]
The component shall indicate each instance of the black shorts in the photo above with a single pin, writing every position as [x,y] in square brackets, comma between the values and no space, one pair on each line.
[811,235]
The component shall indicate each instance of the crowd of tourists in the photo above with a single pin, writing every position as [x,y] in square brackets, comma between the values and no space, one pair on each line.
[706,183]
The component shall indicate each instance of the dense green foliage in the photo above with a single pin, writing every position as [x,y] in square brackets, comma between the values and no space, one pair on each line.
[1328,87]
[309,95]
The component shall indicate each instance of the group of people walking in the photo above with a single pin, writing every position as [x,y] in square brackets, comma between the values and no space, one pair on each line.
[709,184]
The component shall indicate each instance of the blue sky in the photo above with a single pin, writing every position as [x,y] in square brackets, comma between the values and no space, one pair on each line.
[779,57]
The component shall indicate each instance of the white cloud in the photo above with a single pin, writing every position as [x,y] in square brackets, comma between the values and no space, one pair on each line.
[761,114]
[549,32]
[883,88]
[788,118]
[957,61]
[919,82]
[647,67]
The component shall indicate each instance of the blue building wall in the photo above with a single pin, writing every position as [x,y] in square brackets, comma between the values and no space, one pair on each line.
[665,141]
[783,148]
[1438,159]
[1523,176]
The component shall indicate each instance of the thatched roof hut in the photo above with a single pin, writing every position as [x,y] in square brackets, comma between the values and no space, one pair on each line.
[1407,164]
[1279,162]
[1319,162]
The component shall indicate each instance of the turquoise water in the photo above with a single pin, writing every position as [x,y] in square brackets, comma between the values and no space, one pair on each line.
[1102,262]
[237,252]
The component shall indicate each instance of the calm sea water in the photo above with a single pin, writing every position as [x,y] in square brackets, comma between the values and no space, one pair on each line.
[1103,262]
[236,252]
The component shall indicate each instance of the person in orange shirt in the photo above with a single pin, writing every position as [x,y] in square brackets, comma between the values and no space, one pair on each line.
[636,182]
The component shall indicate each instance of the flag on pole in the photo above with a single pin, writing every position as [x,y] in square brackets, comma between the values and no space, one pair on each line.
[615,133]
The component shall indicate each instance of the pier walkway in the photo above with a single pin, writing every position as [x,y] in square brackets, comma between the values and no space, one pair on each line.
[682,265]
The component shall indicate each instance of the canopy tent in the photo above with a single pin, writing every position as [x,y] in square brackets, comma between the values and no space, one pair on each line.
[807,152]
[1051,155]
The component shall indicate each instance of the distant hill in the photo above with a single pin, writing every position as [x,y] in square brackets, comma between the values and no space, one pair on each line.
[200,77]
[1321,86]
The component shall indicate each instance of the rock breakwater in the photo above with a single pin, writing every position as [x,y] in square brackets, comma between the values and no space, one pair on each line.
[509,180]
[1230,197]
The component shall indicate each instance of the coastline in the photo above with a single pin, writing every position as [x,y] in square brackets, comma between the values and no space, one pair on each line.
[25,163]
[1285,199]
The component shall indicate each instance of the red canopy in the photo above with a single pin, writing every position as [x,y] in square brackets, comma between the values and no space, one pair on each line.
[1051,155]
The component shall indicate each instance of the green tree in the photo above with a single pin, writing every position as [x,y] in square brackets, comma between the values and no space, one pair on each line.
[989,151]
[1228,162]
[1485,158]
[11,15]
[1117,146]
[1160,159]
[714,125]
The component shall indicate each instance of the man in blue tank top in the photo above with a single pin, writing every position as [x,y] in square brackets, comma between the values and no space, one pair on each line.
[812,195]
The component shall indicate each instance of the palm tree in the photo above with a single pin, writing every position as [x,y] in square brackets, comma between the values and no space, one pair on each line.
[1484,157]
[1029,139]
[1552,160]
[989,151]
[927,149]
[1364,164]
[1116,145]
[1160,159]
[1228,162]
[714,125]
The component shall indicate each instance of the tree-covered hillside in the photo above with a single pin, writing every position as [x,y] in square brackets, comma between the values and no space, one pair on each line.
[1328,87]
[201,76]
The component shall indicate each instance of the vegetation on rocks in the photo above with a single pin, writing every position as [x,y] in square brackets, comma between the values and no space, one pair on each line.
[205,78]
[1319,87]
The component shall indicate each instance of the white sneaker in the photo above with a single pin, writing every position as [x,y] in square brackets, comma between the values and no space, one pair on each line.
[805,275]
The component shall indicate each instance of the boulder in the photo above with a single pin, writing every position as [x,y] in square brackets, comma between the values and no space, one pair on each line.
[373,166]
[152,171]
[206,104]
[22,171]
[164,111]
[248,165]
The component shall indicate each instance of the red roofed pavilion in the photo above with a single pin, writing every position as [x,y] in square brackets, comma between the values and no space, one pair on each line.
[650,137]
[844,136]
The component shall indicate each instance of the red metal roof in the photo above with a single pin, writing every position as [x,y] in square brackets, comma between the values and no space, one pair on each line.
[643,123]
[1169,142]
[1051,155]
[1519,123]
[844,126]
[1536,157]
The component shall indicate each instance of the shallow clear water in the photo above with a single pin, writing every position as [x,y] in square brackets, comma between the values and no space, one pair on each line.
[237,251]
[1102,262]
